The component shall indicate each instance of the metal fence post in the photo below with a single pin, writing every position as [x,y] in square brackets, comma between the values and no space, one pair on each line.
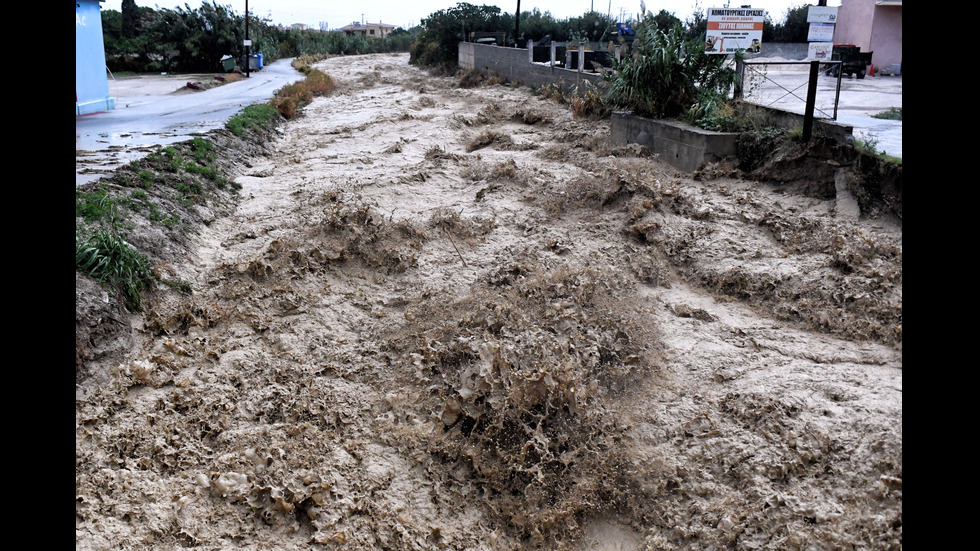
[811,100]
[740,78]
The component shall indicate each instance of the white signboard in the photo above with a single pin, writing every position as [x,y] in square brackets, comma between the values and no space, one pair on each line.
[734,29]
[820,32]
[820,51]
[821,14]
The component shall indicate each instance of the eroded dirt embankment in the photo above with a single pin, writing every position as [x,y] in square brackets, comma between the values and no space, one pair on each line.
[447,318]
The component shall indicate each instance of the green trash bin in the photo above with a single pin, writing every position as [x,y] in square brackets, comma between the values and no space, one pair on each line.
[228,63]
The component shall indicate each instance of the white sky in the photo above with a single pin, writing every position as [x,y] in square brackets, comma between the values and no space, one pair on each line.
[407,13]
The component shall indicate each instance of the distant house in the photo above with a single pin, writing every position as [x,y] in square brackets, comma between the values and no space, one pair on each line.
[875,26]
[91,82]
[298,26]
[370,30]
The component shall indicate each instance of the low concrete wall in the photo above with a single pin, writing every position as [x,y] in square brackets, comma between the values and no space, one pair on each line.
[684,147]
[514,64]
[843,133]
[787,50]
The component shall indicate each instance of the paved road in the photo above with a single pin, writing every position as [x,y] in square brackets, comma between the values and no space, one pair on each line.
[785,87]
[157,110]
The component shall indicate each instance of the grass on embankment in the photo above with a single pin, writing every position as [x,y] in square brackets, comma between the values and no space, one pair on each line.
[166,189]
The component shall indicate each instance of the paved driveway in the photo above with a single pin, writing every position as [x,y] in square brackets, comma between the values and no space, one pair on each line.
[161,109]
[784,86]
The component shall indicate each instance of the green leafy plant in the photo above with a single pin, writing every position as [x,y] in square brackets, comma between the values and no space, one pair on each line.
[94,205]
[203,150]
[754,146]
[892,113]
[668,76]
[109,259]
[208,172]
[146,177]
[869,146]
[252,117]
[554,91]
[589,102]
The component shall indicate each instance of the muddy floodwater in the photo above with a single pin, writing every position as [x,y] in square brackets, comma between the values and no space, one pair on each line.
[438,317]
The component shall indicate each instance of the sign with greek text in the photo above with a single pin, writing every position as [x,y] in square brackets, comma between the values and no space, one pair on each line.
[734,29]
[821,14]
[820,32]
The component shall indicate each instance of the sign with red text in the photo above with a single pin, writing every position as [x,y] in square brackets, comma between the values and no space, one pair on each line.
[734,29]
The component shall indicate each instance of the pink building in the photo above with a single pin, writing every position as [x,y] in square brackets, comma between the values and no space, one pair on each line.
[875,26]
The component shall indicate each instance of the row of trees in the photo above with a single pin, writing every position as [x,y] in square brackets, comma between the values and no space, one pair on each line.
[439,33]
[143,39]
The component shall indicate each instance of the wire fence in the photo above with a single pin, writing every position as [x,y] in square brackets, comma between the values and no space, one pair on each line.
[786,85]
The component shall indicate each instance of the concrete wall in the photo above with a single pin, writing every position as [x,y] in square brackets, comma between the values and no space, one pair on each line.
[843,133]
[91,84]
[514,64]
[683,146]
[793,51]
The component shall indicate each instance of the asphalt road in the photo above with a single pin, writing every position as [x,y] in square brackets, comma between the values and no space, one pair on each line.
[160,109]
[785,86]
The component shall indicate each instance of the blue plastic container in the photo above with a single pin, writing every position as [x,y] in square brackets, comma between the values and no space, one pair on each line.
[260,60]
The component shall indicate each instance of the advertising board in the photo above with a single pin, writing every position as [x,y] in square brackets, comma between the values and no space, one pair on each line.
[733,29]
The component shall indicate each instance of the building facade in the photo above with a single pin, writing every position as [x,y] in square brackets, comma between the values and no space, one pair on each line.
[91,83]
[369,30]
[875,26]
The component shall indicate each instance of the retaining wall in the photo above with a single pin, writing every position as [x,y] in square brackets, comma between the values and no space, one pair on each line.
[683,146]
[515,65]
[795,51]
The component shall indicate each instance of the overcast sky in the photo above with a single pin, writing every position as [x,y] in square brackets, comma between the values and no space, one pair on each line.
[407,13]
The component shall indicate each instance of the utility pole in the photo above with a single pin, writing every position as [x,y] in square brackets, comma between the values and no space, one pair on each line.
[248,44]
[517,23]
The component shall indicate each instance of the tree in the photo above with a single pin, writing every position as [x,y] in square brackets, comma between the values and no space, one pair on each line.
[130,19]
[666,20]
[795,27]
[768,29]
[590,27]
[444,29]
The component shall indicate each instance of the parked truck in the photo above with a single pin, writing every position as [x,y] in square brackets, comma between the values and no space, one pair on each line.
[852,61]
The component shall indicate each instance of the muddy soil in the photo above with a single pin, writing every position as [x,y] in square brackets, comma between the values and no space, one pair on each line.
[454,318]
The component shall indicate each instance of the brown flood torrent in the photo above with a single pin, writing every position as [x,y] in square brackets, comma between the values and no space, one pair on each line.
[453,318]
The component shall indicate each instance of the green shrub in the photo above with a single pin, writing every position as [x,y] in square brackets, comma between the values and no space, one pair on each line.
[203,150]
[892,113]
[107,258]
[754,146]
[93,205]
[670,77]
[252,117]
